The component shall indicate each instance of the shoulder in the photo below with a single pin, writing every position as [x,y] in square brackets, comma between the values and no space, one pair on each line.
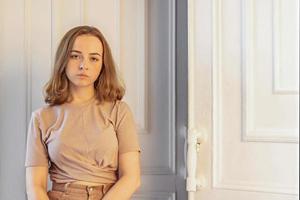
[124,110]
[45,111]
[123,106]
[117,108]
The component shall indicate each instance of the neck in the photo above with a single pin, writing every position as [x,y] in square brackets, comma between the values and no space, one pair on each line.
[80,94]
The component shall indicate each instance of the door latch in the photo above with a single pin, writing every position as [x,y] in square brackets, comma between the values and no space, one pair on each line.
[194,140]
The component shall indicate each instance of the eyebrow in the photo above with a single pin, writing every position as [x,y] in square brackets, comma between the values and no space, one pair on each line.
[89,53]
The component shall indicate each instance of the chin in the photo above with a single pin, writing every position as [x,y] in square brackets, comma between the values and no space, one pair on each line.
[81,84]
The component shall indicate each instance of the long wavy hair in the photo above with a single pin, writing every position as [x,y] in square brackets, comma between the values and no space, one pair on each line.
[109,86]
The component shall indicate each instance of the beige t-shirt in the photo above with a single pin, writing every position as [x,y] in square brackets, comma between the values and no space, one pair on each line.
[81,142]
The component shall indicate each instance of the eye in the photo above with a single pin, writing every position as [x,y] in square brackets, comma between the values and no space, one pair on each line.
[94,59]
[74,56]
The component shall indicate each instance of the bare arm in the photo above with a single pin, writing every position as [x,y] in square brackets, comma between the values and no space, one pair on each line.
[129,177]
[36,183]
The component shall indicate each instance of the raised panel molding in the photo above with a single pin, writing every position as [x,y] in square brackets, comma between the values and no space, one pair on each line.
[159,170]
[171,90]
[133,58]
[217,177]
[141,66]
[27,62]
[257,186]
[82,11]
[171,165]
[154,195]
[37,56]
[251,133]
[270,135]
[280,42]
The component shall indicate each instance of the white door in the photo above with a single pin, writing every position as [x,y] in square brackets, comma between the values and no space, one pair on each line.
[142,38]
[244,98]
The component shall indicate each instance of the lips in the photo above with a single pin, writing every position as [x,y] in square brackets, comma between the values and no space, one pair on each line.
[82,75]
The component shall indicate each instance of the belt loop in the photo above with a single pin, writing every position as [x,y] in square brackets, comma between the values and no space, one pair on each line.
[103,189]
[66,186]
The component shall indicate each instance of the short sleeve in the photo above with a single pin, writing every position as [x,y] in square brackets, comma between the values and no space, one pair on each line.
[36,151]
[126,130]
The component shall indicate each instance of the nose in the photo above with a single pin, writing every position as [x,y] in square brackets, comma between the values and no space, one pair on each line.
[82,64]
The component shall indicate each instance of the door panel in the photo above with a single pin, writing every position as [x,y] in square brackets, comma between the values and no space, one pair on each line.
[244,95]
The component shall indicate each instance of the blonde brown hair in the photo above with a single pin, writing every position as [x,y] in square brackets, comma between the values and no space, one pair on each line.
[108,86]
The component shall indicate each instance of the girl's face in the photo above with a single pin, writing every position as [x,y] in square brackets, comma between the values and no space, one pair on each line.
[85,61]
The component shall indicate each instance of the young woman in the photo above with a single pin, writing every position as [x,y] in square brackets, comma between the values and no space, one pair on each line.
[86,137]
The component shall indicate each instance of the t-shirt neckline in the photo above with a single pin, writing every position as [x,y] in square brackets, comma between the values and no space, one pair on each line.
[80,104]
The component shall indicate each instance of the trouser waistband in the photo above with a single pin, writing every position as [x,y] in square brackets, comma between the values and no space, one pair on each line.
[65,186]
